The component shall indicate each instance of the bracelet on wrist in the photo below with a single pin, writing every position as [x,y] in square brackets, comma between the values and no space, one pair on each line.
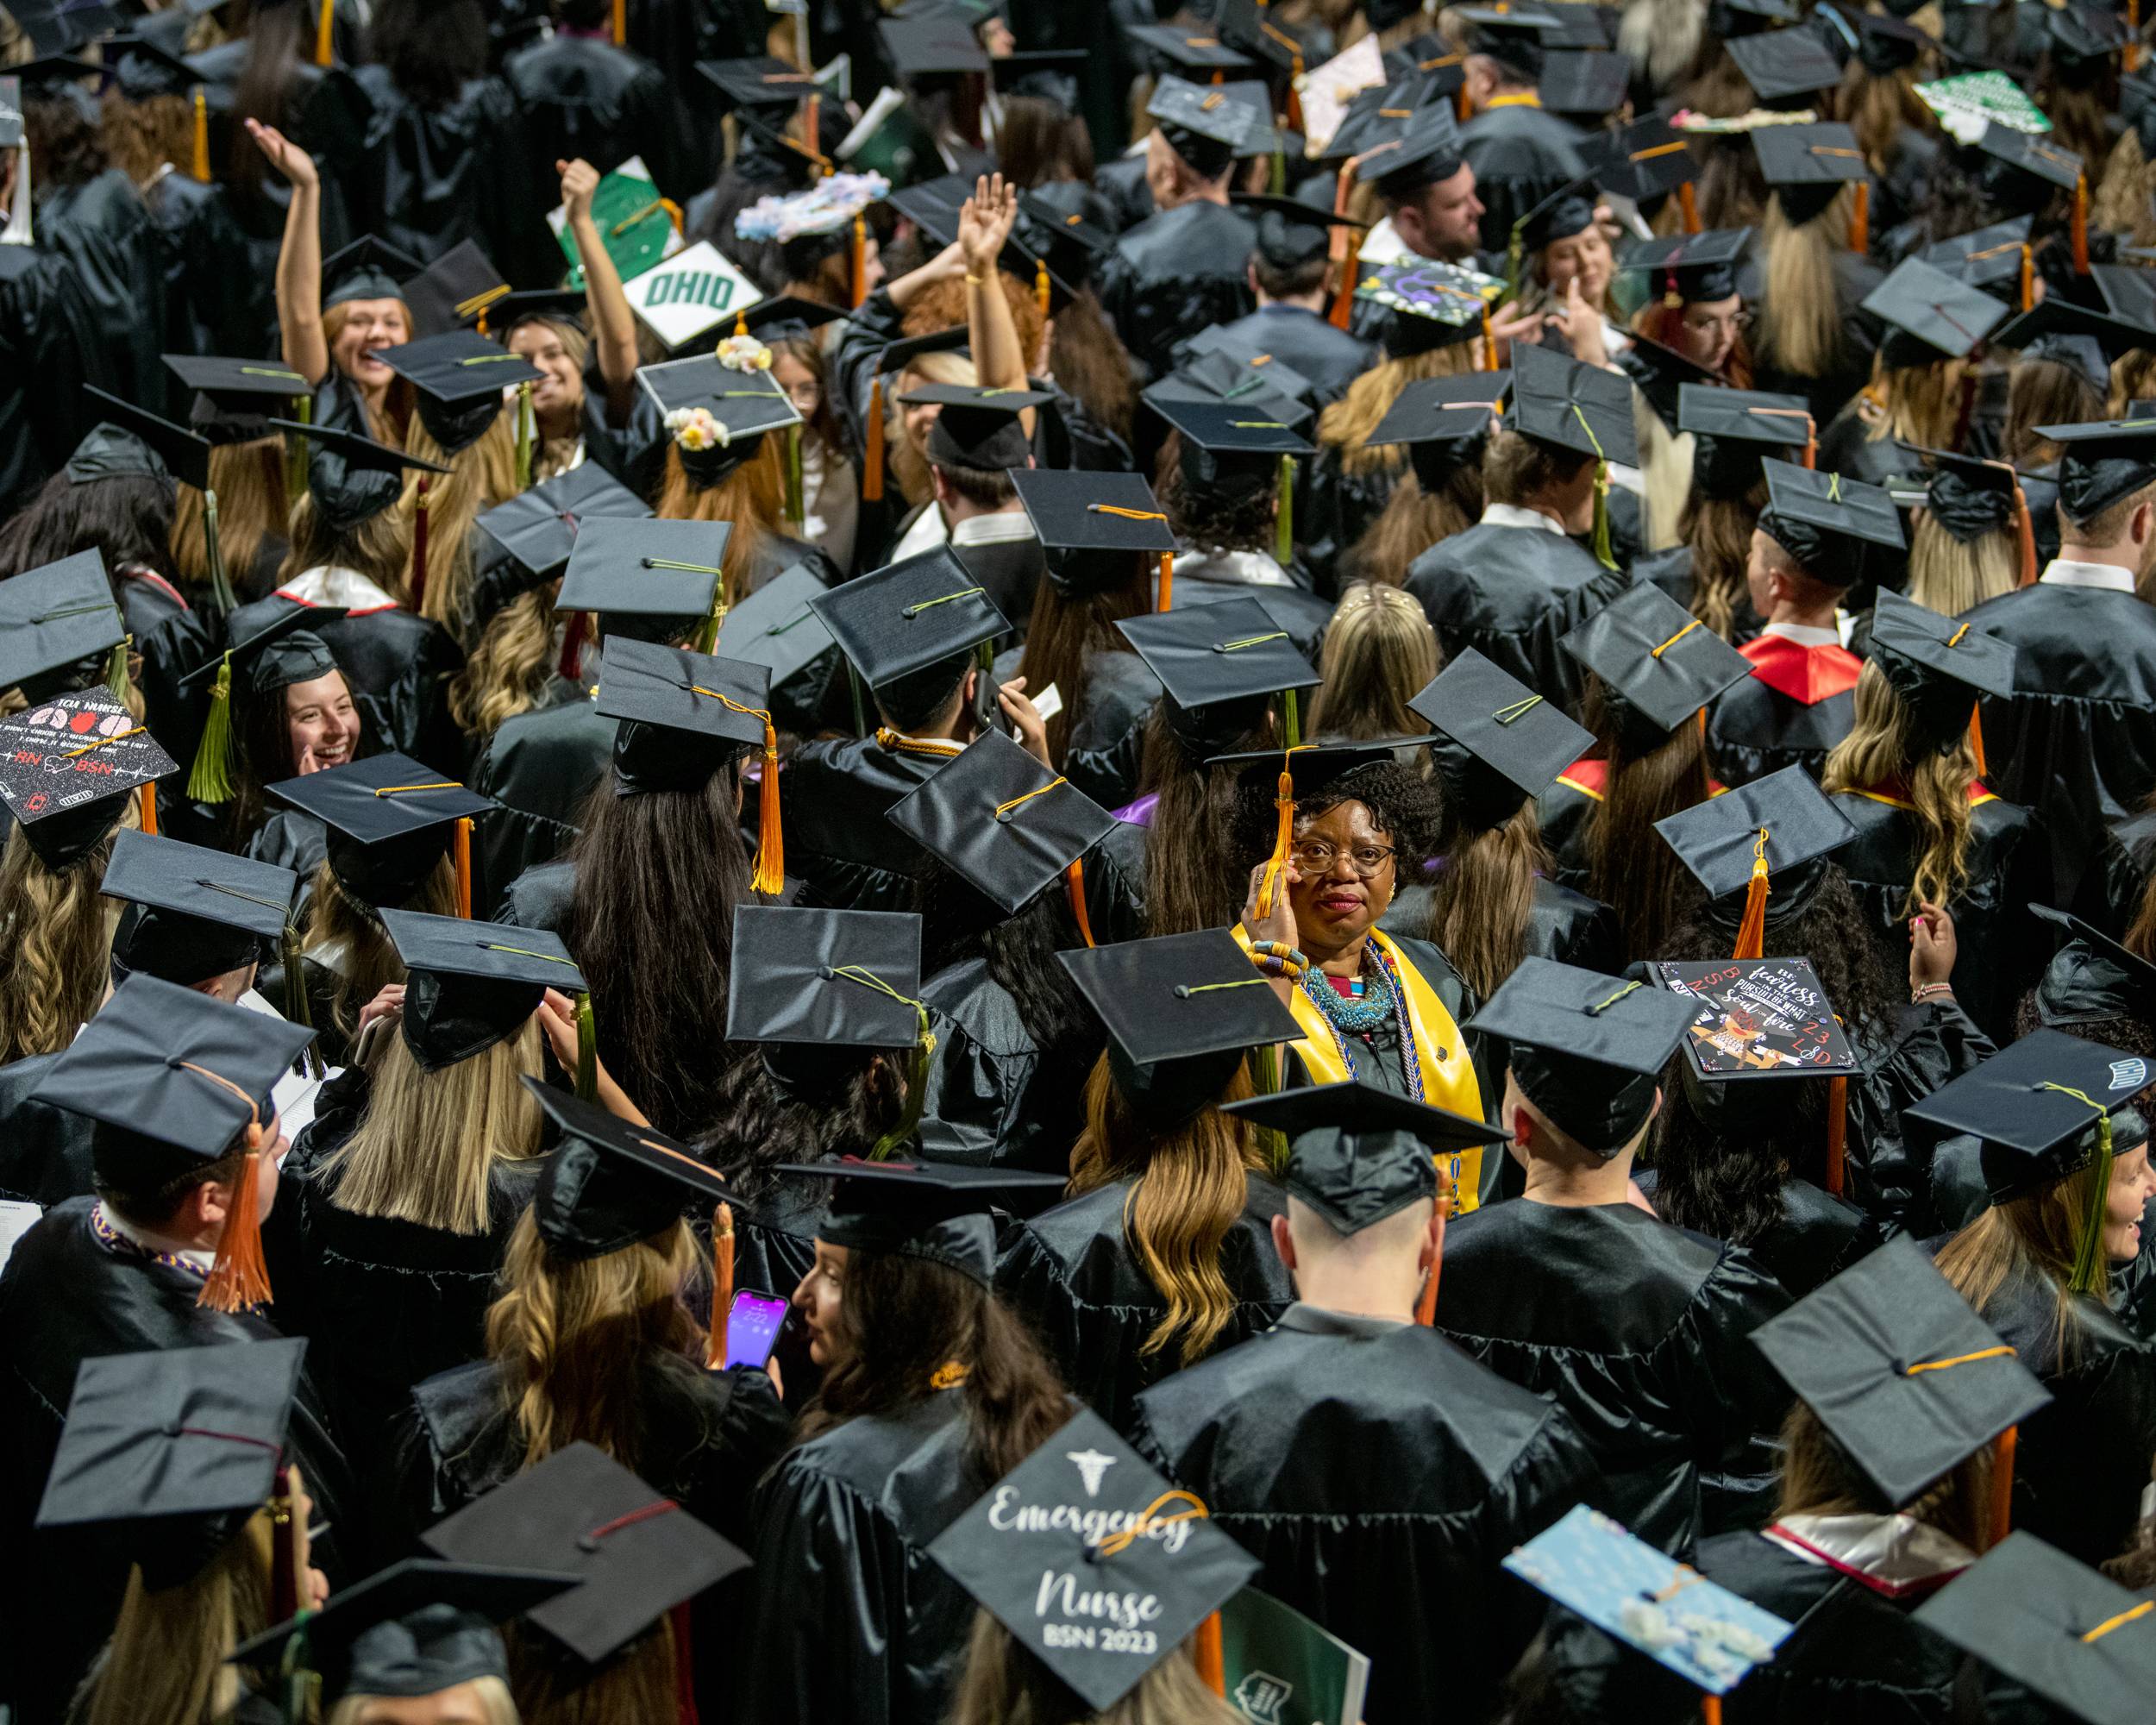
[1929,990]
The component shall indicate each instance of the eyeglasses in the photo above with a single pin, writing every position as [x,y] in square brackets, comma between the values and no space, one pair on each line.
[1315,856]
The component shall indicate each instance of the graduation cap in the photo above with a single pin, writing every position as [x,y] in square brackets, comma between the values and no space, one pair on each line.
[979,427]
[610,1182]
[2086,342]
[113,452]
[1433,305]
[1444,422]
[389,819]
[1586,1049]
[1261,384]
[788,317]
[173,1450]
[1907,1380]
[1090,524]
[1807,165]
[1357,1154]
[1584,84]
[1662,374]
[1986,257]
[909,616]
[1189,47]
[2101,463]
[1229,651]
[541,529]
[2072,1636]
[459,377]
[1933,662]
[650,579]
[842,979]
[184,454]
[2082,41]
[58,617]
[1688,268]
[409,1631]
[273,644]
[741,405]
[458,288]
[351,478]
[1825,521]
[1647,160]
[235,397]
[1930,313]
[1510,33]
[580,1513]
[1883,43]
[938,1213]
[1971,497]
[935,205]
[1203,124]
[1498,742]
[1084,1517]
[931,47]
[1782,65]
[144,68]
[1735,843]
[1180,996]
[1289,231]
[1065,246]
[2104,980]
[775,627]
[1556,400]
[472,984]
[1733,428]
[2030,154]
[1565,213]
[195,913]
[1002,822]
[1655,658]
[759,81]
[368,269]
[67,767]
[1232,451]
[893,358]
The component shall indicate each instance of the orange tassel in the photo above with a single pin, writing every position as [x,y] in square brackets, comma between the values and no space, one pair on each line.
[1427,1303]
[1461,111]
[1352,264]
[2028,277]
[872,457]
[1837,1135]
[860,259]
[1688,205]
[1074,881]
[770,875]
[1860,218]
[1167,580]
[812,134]
[463,845]
[621,23]
[1752,932]
[325,20]
[2131,60]
[2002,1484]
[202,136]
[2025,531]
[149,808]
[1210,1660]
[1292,112]
[1490,341]
[1710,1710]
[1976,741]
[741,323]
[1811,443]
[2081,224]
[722,1287]
[238,1277]
[1041,286]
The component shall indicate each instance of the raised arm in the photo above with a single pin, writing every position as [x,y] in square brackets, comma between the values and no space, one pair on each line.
[306,349]
[613,325]
[984,224]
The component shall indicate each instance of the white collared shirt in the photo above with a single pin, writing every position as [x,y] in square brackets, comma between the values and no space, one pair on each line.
[2108,577]
[328,585]
[1251,569]
[1510,515]
[927,532]
[1805,635]
[1381,245]
[1004,527]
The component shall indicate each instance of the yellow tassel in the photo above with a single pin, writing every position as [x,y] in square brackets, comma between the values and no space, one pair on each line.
[621,23]
[1283,838]
[325,22]
[202,136]
[1041,286]
[860,259]
[1752,932]
[1166,580]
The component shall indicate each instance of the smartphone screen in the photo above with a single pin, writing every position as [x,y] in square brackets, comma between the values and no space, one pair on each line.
[752,1325]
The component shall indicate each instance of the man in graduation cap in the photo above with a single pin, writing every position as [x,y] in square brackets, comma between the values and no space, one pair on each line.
[1183,267]
[1377,1472]
[1427,187]
[1519,151]
[978,439]
[2077,743]
[1288,271]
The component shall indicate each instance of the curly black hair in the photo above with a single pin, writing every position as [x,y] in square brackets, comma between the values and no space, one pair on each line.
[1404,806]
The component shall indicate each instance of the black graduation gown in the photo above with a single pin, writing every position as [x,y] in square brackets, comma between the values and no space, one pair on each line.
[44,1151]
[2076,745]
[541,768]
[2112,886]
[1177,273]
[1069,1272]
[1104,753]
[1855,278]
[1640,1329]
[1521,153]
[67,1296]
[391,1301]
[1890,1160]
[47,341]
[847,854]
[2080,1464]
[2002,948]
[853,1619]
[1845,448]
[1816,1236]
[1209,576]
[1796,704]
[1304,341]
[1512,594]
[210,308]
[1335,507]
[1381,1477]
[399,667]
[436,177]
[102,229]
[1011,570]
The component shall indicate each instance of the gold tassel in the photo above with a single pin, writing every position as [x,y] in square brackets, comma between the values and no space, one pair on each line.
[1976,740]
[1752,932]
[117,682]
[1689,205]
[462,841]
[1284,514]
[621,23]
[1074,883]
[325,23]
[770,875]
[1041,285]
[2081,224]
[1861,219]
[202,136]
[1283,837]
[860,259]
[149,808]
[2028,277]
[722,1287]
[586,1051]
[1166,580]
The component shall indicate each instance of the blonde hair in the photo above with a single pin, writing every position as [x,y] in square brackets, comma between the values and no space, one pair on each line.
[496,1707]
[1346,425]
[1380,651]
[480,475]
[1001,1684]
[55,942]
[1797,325]
[552,457]
[1718,532]
[2133,379]
[750,497]
[1878,106]
[508,668]
[2035,1235]
[1877,752]
[167,1658]
[379,547]
[1920,404]
[1952,575]
[365,962]
[1665,466]
[428,1140]
[251,508]
[906,461]
[2121,203]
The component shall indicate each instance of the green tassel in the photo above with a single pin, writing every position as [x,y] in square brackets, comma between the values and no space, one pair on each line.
[211,779]
[1604,553]
[586,1051]
[1513,254]
[220,593]
[1277,186]
[526,433]
[2092,1270]
[297,1011]
[296,450]
[707,636]
[116,678]
[796,485]
[1290,720]
[1284,515]
[916,1096]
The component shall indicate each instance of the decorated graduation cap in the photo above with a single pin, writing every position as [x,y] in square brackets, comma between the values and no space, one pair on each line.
[1584,84]
[1357,1154]
[909,615]
[1735,843]
[2045,1108]
[350,476]
[389,820]
[458,378]
[580,1513]
[1498,742]
[472,984]
[1444,422]
[1084,1516]
[1829,524]
[2101,463]
[185,454]
[1685,269]
[1203,124]
[715,413]
[1430,305]
[1734,429]
[178,1081]
[1808,166]
[809,226]
[1091,524]
[1658,665]
[2085,341]
[1907,1380]
[68,768]
[272,646]
[368,269]
[1560,403]
[1937,666]
[1005,825]
[1929,314]
[171,1452]
[610,1182]
[1586,1049]
[459,287]
[61,618]
[409,1631]
[653,580]
[893,358]
[979,427]
[1785,67]
[937,1213]
[2068,1634]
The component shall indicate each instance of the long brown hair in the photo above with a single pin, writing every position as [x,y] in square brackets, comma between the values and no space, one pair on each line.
[1879,106]
[1719,530]
[1414,520]
[1798,320]
[1191,1185]
[1817,1479]
[750,497]
[1063,635]
[378,548]
[251,508]
[1379,653]
[1194,879]
[1347,423]
[2043,393]
[142,136]
[57,949]
[169,1657]
[1087,360]
[1482,899]
[2036,1235]
[1001,1684]
[1952,575]
[1628,866]
[366,963]
[507,668]
[1920,404]
[2123,202]
[1877,753]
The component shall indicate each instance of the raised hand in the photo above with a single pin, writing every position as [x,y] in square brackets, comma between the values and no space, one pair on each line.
[283,154]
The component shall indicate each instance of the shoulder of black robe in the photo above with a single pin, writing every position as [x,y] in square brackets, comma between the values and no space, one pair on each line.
[1335,506]
[44,1151]
[852,1618]
[1889,1160]
[1175,273]
[837,841]
[1641,1330]
[541,768]
[1104,754]
[1818,1237]
[47,341]
[1378,1476]
[1065,435]
[1573,929]
[993,1098]
[1070,1273]
[542,896]
[1754,728]
[2118,874]
[445,175]
[1121,184]
[1332,359]
[102,229]
[399,667]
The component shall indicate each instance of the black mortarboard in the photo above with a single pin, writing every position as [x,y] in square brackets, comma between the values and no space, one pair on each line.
[2082,39]
[1662,374]
[2101,463]
[1586,1049]
[368,269]
[2069,1635]
[563,304]
[775,626]
[542,527]
[472,984]
[275,645]
[610,1182]
[1690,267]
[1061,242]
[1989,255]
[978,428]
[1734,428]
[1261,386]
[1908,1381]
[910,615]
[2129,291]
[1445,422]
[931,47]
[184,453]
[1807,166]
[233,398]
[198,912]
[758,80]
[1192,48]
[1357,1154]
[1556,400]
[1229,651]
[351,478]
[178,1447]
[459,377]
[1510,33]
[578,1512]
[1180,996]
[1289,231]
[2031,154]
[786,316]
[1000,821]
[1090,524]
[459,286]
[1655,657]
[683,715]
[112,452]
[1782,65]
[1968,497]
[1584,84]
[1426,150]
[1916,648]
[1930,313]
[1826,522]
[388,818]
[846,979]
[1202,123]
[670,570]
[938,1213]
[1230,450]
[411,1630]
[1312,767]
[2056,329]
[67,767]
[1078,1520]
[1564,214]
[57,616]
[745,404]
[935,205]
[1883,42]
[55,76]
[1499,742]
[1647,160]
[895,356]
[1719,839]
